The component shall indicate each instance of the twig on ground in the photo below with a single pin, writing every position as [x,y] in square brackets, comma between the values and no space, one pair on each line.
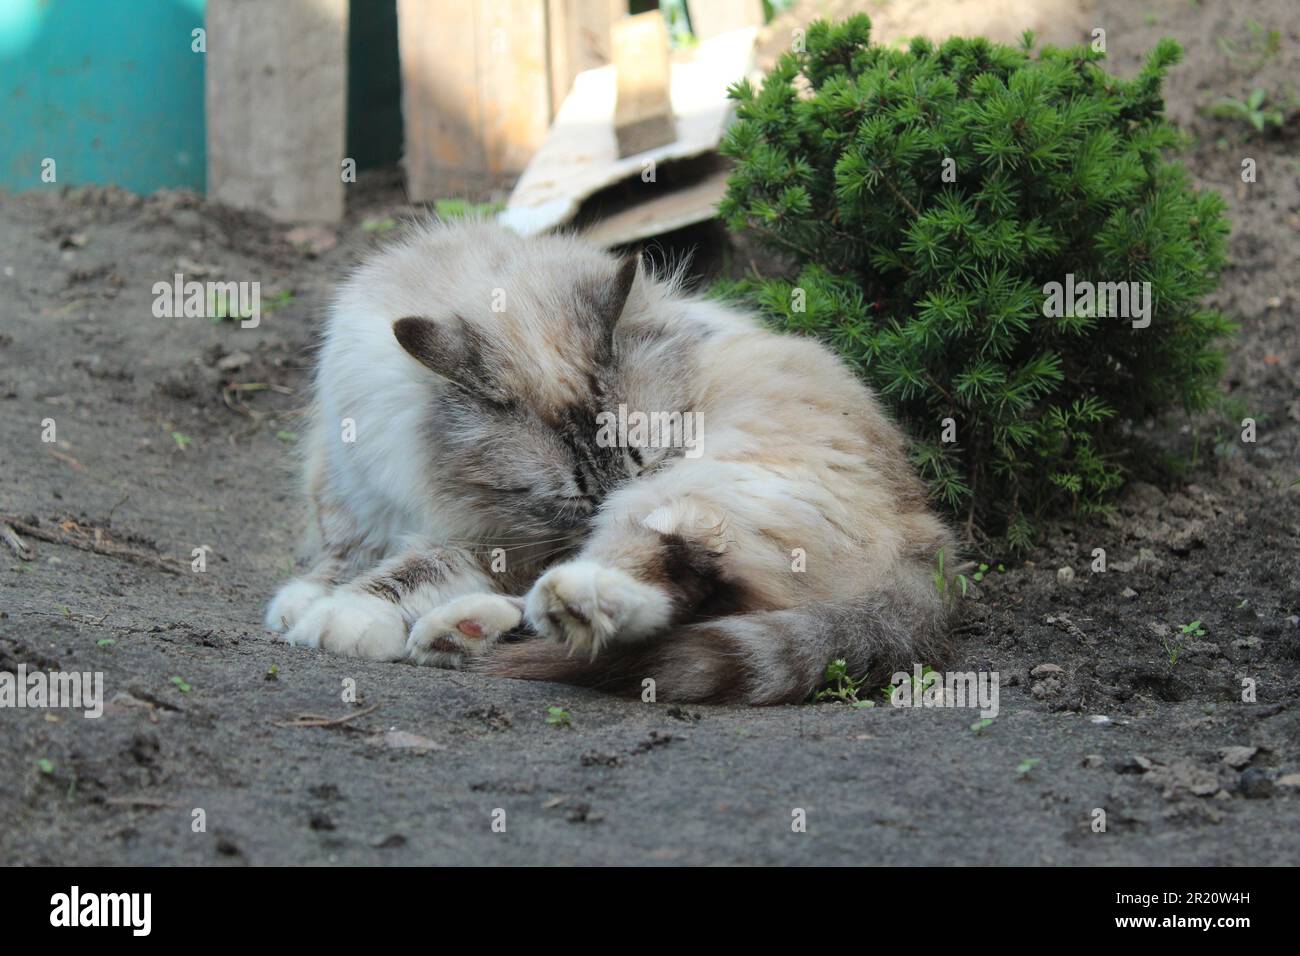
[152,802]
[69,460]
[109,520]
[99,543]
[16,544]
[316,720]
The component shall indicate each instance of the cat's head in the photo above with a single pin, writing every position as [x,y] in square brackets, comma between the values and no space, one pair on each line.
[519,392]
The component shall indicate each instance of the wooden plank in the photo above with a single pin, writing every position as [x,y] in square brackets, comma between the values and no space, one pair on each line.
[579,35]
[513,82]
[580,156]
[712,17]
[276,95]
[643,114]
[475,91]
[440,114]
[686,206]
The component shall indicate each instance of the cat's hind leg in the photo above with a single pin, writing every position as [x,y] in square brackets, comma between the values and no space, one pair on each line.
[632,581]
[588,605]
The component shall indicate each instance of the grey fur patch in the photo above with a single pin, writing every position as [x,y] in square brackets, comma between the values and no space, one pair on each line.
[393,584]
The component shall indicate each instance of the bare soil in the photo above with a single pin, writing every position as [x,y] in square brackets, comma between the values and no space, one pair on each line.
[176,434]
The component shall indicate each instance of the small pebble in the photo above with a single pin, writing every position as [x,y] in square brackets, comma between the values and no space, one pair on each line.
[1065,575]
[234,361]
[1048,687]
[1238,757]
[1135,763]
[1128,593]
[1255,784]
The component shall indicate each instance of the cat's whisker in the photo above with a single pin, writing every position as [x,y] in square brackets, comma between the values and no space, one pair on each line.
[488,546]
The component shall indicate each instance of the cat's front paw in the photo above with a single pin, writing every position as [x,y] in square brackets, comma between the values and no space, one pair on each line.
[353,624]
[291,603]
[587,605]
[467,627]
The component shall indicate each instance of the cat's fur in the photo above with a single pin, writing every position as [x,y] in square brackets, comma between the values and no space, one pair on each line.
[473,364]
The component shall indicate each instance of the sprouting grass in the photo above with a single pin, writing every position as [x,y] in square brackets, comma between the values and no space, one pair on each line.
[1254,51]
[983,571]
[181,685]
[941,578]
[558,717]
[841,685]
[277,301]
[1175,643]
[1253,110]
[464,209]
[918,686]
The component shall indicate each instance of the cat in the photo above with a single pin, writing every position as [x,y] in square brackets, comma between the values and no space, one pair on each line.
[475,505]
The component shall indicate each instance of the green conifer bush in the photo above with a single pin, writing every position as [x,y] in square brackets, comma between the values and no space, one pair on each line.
[929,197]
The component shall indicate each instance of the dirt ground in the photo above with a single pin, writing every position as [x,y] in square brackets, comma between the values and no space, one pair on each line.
[176,434]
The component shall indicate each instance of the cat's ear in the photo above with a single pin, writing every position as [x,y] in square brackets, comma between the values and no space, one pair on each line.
[451,350]
[621,288]
[608,297]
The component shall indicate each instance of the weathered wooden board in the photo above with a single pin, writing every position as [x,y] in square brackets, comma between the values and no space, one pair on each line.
[712,17]
[643,109]
[276,95]
[579,34]
[580,156]
[671,210]
[475,91]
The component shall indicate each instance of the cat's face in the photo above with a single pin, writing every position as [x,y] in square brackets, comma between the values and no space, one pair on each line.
[530,468]
[519,430]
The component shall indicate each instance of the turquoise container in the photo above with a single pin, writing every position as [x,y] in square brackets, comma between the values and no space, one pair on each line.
[111,90]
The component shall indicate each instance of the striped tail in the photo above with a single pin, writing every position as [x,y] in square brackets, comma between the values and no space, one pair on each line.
[767,657]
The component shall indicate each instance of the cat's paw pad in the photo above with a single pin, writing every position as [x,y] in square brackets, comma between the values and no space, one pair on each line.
[353,624]
[587,605]
[467,627]
[292,602]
